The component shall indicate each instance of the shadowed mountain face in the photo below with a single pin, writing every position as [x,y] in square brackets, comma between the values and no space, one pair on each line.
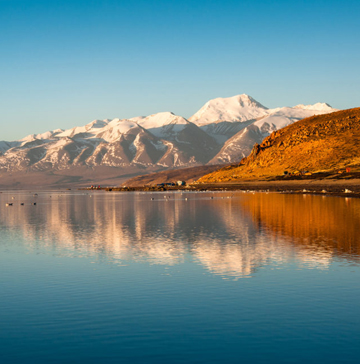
[223,131]
[320,143]
[228,236]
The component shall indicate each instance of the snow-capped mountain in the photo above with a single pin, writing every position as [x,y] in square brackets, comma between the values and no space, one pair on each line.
[162,139]
[237,108]
[239,122]
[222,131]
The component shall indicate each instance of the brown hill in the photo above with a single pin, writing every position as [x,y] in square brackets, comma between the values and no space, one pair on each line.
[323,143]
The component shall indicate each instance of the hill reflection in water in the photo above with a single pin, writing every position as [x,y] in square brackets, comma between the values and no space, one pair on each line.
[319,224]
[229,236]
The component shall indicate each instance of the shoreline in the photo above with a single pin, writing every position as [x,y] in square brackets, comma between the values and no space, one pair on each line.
[343,188]
[324,187]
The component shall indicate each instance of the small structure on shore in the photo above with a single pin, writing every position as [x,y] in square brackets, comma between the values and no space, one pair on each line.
[94,187]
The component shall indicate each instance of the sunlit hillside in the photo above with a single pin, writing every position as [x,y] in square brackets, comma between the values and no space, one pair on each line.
[317,144]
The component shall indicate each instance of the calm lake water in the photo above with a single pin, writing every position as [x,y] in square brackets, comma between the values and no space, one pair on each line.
[217,278]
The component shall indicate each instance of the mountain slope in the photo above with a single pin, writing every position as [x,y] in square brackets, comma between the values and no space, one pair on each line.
[316,144]
[239,145]
[250,132]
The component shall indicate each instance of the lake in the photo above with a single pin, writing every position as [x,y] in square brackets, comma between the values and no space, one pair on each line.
[107,277]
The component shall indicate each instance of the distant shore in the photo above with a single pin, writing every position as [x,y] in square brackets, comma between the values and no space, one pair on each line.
[346,187]
[343,187]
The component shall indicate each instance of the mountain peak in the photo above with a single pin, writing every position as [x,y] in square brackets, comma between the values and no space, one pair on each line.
[97,124]
[160,119]
[236,108]
[246,100]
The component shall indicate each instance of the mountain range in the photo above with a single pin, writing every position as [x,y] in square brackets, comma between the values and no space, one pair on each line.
[224,130]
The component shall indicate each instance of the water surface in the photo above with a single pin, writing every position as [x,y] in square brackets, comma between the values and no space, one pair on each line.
[174,278]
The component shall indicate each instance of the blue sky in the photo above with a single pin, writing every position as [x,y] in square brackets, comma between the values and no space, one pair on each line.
[66,63]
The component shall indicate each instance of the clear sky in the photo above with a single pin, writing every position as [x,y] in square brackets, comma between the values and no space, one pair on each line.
[65,63]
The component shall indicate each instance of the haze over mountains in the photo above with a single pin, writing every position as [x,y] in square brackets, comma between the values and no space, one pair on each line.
[224,130]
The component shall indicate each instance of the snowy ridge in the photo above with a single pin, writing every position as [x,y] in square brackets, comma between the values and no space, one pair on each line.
[320,106]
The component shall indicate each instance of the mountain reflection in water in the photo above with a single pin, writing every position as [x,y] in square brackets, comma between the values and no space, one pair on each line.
[229,236]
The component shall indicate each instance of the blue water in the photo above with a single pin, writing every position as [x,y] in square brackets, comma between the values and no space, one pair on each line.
[217,278]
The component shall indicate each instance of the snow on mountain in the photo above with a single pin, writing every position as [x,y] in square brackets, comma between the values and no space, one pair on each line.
[163,125]
[90,128]
[238,146]
[236,108]
[158,120]
[163,139]
[4,146]
[287,115]
[38,137]
[224,130]
[114,129]
[320,106]
[245,122]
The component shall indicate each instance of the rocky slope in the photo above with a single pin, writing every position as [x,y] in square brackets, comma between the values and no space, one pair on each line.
[317,144]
